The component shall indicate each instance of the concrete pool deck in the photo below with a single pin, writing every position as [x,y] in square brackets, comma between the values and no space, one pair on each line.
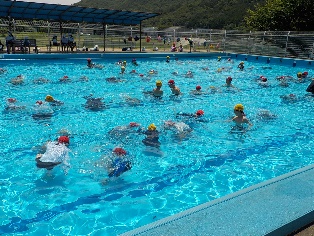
[275,207]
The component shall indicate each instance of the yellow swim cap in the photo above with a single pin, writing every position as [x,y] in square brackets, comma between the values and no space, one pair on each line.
[152,127]
[49,98]
[241,62]
[299,74]
[158,83]
[122,68]
[239,107]
[168,57]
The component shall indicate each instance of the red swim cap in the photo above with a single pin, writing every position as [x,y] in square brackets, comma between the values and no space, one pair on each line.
[134,124]
[229,78]
[198,87]
[200,113]
[171,81]
[11,100]
[39,102]
[119,151]
[264,79]
[88,59]
[64,139]
[141,75]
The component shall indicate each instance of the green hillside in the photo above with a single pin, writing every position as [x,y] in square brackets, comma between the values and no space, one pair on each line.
[214,14]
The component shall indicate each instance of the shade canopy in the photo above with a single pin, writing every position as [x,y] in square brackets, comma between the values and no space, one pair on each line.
[57,12]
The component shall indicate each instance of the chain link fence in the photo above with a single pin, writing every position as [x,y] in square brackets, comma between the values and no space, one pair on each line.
[117,38]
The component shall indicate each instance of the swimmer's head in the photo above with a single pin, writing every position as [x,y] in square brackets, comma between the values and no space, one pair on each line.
[152,127]
[39,102]
[229,59]
[299,74]
[168,57]
[134,124]
[238,107]
[198,87]
[229,79]
[11,100]
[88,59]
[200,113]
[171,82]
[264,79]
[119,151]
[133,60]
[241,63]
[64,139]
[133,71]
[49,98]
[305,73]
[158,83]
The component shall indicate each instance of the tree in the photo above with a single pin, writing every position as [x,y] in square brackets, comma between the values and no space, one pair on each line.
[282,15]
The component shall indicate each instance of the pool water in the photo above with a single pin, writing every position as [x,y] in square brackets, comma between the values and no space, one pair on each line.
[187,170]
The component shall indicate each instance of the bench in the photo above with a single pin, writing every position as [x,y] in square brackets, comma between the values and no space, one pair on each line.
[52,44]
[24,45]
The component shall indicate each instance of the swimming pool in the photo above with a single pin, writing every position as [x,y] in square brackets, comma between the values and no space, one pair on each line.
[210,162]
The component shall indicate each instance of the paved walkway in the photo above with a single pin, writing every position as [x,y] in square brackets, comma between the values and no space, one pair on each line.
[275,207]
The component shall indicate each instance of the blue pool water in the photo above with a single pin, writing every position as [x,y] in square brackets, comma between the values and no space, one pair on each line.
[208,163]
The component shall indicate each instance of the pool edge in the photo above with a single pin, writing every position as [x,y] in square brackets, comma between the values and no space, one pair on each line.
[276,229]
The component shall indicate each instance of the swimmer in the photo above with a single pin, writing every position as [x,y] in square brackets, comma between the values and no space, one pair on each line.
[289,98]
[168,59]
[52,101]
[263,82]
[64,79]
[94,104]
[228,83]
[265,115]
[17,80]
[41,80]
[56,153]
[134,62]
[175,73]
[124,131]
[91,65]
[181,129]
[133,72]
[42,110]
[241,65]
[174,89]
[122,69]
[124,63]
[12,105]
[197,91]
[84,78]
[152,72]
[114,80]
[132,101]
[118,162]
[213,89]
[196,115]
[157,92]
[240,118]
[219,59]
[189,74]
[152,136]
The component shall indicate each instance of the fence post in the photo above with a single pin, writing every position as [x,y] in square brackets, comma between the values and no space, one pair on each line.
[224,41]
[287,43]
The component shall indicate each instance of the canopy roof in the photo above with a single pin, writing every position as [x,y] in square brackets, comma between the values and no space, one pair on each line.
[57,12]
